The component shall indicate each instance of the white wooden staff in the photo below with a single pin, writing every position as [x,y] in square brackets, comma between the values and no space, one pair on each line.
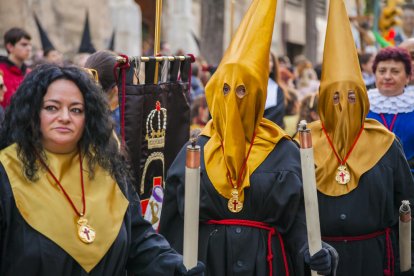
[309,190]
[191,206]
[405,236]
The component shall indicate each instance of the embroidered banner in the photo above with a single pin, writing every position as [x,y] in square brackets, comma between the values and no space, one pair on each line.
[156,126]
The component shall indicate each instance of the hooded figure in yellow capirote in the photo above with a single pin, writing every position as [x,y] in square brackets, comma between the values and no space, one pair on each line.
[250,169]
[361,172]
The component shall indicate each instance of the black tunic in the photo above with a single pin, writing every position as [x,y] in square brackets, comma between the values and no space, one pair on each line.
[24,251]
[371,207]
[274,197]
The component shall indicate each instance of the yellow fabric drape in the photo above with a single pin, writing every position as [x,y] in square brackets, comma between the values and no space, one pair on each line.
[45,208]
[267,136]
[374,141]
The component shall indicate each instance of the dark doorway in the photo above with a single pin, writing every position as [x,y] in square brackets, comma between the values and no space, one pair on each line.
[148,18]
[293,50]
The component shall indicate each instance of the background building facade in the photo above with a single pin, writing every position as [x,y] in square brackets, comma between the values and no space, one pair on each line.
[193,26]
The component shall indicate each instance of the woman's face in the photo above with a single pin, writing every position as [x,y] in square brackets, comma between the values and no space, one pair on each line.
[62,117]
[391,77]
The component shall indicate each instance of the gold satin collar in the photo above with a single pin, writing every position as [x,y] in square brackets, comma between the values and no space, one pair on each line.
[374,142]
[45,208]
[268,135]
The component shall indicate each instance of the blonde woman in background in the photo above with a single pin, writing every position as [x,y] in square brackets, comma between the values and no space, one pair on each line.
[306,79]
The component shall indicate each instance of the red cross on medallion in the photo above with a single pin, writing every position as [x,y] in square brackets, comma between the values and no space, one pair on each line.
[235,203]
[342,175]
[86,232]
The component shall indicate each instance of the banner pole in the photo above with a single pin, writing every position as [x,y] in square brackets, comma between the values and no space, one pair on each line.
[157,38]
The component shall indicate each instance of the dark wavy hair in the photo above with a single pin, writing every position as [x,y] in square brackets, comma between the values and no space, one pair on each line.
[22,122]
[394,53]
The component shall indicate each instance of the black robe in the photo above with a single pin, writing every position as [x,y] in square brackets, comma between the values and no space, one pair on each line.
[371,207]
[137,248]
[275,197]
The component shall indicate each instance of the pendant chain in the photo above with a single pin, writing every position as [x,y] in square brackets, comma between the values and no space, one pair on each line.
[234,204]
[80,214]
[342,162]
[242,167]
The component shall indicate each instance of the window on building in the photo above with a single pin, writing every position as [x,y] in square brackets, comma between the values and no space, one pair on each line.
[295,2]
[321,6]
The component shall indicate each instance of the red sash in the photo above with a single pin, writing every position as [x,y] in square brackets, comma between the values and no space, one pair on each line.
[272,231]
[390,254]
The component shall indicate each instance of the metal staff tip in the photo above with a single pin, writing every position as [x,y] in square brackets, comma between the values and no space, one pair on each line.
[305,137]
[405,211]
[193,156]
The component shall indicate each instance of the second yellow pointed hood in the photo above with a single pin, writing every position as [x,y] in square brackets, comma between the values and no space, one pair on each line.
[341,73]
[343,107]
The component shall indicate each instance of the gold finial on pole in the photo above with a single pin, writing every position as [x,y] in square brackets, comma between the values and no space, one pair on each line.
[157,39]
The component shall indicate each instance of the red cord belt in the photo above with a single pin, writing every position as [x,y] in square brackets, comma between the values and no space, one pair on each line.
[255,224]
[390,254]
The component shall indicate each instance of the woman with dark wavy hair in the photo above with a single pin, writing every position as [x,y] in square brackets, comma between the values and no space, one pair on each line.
[66,202]
[23,122]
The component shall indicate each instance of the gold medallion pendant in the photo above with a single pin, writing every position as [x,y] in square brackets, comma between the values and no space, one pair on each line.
[234,204]
[85,232]
[342,175]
